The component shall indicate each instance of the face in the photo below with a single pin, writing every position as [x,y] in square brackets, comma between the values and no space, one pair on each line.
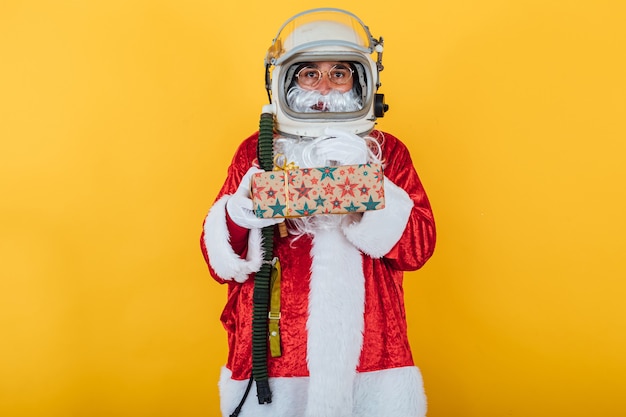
[326,76]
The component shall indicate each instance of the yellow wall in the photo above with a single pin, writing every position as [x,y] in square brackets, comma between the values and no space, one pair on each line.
[118,119]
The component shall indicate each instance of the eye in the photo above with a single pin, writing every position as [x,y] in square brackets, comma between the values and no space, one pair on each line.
[308,73]
[339,73]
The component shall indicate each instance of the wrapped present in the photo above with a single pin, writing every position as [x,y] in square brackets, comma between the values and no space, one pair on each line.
[310,191]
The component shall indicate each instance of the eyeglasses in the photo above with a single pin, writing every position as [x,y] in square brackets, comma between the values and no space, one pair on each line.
[310,76]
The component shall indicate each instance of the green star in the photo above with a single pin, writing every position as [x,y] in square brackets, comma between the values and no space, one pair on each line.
[351,207]
[278,208]
[306,211]
[371,204]
[319,201]
[259,212]
[327,172]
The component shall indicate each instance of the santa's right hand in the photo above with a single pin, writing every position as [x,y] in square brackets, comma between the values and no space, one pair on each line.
[240,209]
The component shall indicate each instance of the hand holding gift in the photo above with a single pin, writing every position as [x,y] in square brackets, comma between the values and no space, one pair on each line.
[240,206]
[338,147]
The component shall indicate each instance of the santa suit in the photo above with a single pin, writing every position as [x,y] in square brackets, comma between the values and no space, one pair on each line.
[345,350]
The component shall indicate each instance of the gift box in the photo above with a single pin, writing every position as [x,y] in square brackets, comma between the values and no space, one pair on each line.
[311,191]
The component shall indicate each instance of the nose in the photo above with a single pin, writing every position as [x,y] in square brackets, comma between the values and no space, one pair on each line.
[325,86]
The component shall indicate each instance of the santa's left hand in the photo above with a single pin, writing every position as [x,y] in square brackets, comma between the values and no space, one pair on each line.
[340,147]
[377,231]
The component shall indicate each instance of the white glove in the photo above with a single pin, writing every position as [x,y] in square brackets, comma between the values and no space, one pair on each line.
[240,209]
[338,147]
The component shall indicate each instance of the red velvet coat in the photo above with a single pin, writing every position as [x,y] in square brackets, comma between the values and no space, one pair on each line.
[383,258]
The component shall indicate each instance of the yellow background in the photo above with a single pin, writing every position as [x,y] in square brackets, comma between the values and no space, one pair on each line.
[118,119]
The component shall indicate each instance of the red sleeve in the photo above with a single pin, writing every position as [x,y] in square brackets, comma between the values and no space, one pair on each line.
[244,158]
[417,243]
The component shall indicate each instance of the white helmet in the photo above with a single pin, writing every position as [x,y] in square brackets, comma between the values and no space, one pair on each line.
[324,34]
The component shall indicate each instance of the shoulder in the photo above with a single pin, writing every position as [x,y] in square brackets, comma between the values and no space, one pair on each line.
[247,150]
[390,144]
[250,143]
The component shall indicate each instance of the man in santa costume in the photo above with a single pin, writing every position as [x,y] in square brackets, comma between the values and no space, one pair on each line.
[343,330]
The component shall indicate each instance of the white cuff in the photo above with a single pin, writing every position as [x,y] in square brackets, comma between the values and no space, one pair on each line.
[379,230]
[227,264]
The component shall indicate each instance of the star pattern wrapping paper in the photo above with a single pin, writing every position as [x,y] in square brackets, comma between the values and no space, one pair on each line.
[311,191]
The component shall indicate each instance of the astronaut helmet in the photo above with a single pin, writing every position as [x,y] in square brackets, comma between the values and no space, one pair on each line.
[324,49]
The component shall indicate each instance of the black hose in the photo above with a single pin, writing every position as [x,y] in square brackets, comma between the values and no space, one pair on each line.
[265,151]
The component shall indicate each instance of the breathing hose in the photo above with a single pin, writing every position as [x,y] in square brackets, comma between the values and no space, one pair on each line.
[262,282]
[262,277]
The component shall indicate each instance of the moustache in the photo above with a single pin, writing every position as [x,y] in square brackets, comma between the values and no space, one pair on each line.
[310,101]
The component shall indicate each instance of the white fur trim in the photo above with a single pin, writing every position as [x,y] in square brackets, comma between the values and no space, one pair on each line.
[397,392]
[335,323]
[288,396]
[225,262]
[379,230]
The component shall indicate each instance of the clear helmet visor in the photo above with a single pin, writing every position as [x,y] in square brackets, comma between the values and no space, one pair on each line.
[326,86]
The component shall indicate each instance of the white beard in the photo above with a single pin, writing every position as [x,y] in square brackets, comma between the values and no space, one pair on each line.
[311,101]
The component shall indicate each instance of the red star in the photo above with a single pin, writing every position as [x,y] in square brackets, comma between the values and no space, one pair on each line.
[271,193]
[303,192]
[347,188]
[328,189]
[364,190]
[256,195]
[350,170]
